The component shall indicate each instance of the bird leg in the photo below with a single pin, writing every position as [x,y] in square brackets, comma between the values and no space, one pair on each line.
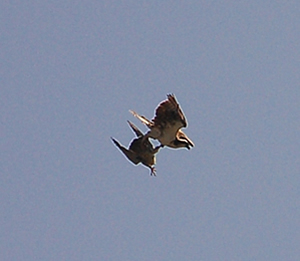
[153,171]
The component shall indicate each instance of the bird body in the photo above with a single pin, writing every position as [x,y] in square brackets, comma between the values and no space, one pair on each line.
[140,150]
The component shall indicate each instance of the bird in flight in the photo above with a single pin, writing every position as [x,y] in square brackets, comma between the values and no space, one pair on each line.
[166,125]
[140,150]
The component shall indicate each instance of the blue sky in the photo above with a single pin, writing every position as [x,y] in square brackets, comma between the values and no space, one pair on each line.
[71,70]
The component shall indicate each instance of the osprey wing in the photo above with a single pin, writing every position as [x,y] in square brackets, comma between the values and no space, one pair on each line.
[169,112]
[143,119]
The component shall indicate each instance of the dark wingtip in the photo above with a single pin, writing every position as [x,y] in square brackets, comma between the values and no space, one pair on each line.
[132,126]
[114,141]
[130,123]
[135,129]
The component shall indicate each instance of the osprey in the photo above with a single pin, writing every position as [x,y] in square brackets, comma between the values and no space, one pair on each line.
[140,150]
[166,125]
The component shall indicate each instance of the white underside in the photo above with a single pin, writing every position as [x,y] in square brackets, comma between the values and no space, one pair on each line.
[165,136]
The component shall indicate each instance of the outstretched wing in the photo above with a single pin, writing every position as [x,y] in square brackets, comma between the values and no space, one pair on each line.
[169,112]
[143,119]
[128,153]
[135,129]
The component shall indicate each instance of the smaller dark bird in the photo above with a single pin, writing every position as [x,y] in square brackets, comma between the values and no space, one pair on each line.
[140,150]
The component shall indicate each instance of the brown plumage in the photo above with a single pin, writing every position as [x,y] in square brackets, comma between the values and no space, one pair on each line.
[140,150]
[167,123]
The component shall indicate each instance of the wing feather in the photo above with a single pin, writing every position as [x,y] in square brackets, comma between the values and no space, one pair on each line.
[143,119]
[128,153]
[135,129]
[169,112]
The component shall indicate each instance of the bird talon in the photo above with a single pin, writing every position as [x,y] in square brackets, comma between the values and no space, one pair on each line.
[153,171]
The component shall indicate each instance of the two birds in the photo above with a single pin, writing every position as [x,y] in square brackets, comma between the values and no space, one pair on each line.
[164,127]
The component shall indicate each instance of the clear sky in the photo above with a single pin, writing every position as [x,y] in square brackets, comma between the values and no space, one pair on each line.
[71,70]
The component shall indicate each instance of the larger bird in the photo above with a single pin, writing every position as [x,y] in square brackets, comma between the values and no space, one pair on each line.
[166,125]
[140,150]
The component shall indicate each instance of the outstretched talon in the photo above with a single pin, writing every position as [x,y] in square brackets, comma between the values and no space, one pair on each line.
[153,171]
